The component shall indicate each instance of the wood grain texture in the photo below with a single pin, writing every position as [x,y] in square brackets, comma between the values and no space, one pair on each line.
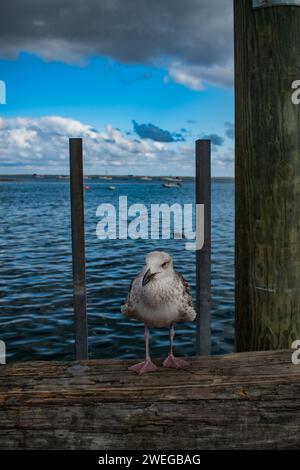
[240,401]
[267,61]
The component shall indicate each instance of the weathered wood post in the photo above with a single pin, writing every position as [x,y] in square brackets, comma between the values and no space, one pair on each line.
[267,66]
[203,256]
[78,249]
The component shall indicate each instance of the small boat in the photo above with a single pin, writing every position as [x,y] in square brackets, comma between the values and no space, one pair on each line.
[108,178]
[173,179]
[111,188]
[61,177]
[146,178]
[87,188]
[171,185]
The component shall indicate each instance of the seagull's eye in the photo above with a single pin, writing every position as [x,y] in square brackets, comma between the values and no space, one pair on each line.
[165,265]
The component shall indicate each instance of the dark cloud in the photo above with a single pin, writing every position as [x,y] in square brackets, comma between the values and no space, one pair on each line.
[149,131]
[216,139]
[229,130]
[191,38]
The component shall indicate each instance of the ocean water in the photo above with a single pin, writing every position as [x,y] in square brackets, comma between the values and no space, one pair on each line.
[36,316]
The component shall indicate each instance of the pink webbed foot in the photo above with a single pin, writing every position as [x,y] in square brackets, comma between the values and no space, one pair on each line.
[143,367]
[175,362]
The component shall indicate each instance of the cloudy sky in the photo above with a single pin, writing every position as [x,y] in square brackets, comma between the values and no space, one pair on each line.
[138,80]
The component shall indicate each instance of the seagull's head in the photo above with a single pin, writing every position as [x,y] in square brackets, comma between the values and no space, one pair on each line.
[159,265]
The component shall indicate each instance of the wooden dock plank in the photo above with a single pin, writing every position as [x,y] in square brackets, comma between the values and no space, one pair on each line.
[240,401]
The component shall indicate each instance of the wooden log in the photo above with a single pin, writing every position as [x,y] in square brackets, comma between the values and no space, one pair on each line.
[240,401]
[203,256]
[267,62]
[78,249]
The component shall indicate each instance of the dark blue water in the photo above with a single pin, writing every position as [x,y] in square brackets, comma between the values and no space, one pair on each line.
[36,317]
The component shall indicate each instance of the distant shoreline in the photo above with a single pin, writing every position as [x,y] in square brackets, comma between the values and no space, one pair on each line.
[11,178]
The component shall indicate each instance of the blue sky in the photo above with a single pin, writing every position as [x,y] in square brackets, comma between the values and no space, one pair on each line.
[53,95]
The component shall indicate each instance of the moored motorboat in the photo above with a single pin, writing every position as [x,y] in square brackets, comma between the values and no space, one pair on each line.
[173,179]
[146,178]
[171,185]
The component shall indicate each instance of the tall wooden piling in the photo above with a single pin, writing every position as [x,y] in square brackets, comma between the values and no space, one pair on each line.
[78,249]
[203,256]
[267,63]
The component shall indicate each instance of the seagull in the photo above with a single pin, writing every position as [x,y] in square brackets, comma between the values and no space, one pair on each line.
[159,297]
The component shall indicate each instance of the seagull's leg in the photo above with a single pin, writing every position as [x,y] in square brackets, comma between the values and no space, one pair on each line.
[147,365]
[172,361]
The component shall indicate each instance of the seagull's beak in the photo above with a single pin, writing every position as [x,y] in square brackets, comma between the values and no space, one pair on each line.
[147,277]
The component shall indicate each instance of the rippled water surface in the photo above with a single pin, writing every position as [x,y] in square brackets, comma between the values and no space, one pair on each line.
[36,317]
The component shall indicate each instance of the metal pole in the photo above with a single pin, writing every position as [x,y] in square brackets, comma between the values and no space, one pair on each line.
[78,250]
[203,256]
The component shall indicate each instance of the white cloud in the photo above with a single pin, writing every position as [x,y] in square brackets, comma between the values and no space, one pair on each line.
[29,145]
[183,76]
[40,145]
[196,76]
